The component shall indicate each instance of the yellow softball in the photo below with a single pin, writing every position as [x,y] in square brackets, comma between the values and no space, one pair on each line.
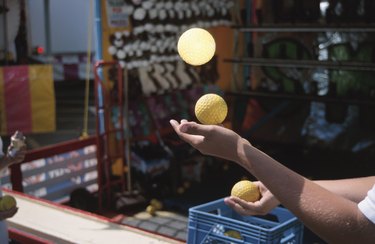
[246,190]
[211,109]
[196,46]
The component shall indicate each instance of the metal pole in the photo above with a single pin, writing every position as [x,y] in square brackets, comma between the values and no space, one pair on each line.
[100,120]
[98,30]
[303,98]
[306,64]
[127,131]
[6,48]
[302,28]
[47,26]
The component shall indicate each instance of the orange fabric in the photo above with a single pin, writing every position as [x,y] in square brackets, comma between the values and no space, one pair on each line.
[27,99]
[17,98]
[42,97]
[224,49]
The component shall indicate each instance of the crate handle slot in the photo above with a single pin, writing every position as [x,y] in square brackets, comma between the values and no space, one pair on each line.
[287,238]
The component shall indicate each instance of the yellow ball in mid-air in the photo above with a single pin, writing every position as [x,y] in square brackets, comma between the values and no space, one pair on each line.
[196,46]
[211,109]
[246,190]
[7,202]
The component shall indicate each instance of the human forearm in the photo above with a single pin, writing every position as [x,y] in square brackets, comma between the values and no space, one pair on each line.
[334,218]
[4,162]
[8,160]
[343,187]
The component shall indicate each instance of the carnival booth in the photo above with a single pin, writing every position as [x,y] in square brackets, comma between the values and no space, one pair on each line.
[95,101]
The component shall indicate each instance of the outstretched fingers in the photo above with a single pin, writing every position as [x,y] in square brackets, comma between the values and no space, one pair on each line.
[186,132]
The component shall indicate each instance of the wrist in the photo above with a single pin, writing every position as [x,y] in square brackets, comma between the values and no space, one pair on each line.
[243,146]
[4,162]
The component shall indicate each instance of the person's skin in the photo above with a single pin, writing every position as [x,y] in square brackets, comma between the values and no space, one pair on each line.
[334,218]
[268,201]
[5,162]
[8,160]
[264,205]
[6,214]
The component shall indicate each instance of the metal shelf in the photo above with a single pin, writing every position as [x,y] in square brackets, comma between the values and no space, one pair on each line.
[302,97]
[305,28]
[305,64]
[288,63]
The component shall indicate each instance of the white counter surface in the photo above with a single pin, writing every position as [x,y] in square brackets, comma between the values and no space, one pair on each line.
[66,225]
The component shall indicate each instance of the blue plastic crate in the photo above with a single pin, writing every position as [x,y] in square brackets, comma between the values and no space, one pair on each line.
[209,223]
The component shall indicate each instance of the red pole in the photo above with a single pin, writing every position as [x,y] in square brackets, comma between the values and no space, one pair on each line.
[16,177]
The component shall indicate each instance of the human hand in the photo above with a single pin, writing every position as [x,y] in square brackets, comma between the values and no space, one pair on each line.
[264,205]
[6,214]
[17,149]
[211,140]
[18,156]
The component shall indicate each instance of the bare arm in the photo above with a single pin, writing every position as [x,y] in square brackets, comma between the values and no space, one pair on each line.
[8,160]
[332,217]
[5,161]
[344,187]
[16,151]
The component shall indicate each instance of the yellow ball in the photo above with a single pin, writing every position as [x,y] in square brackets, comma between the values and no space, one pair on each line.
[233,234]
[211,109]
[7,202]
[151,210]
[158,205]
[180,190]
[196,46]
[246,190]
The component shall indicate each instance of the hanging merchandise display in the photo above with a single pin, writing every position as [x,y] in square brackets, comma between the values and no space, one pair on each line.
[311,88]
[329,123]
[139,38]
[142,37]
[148,42]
